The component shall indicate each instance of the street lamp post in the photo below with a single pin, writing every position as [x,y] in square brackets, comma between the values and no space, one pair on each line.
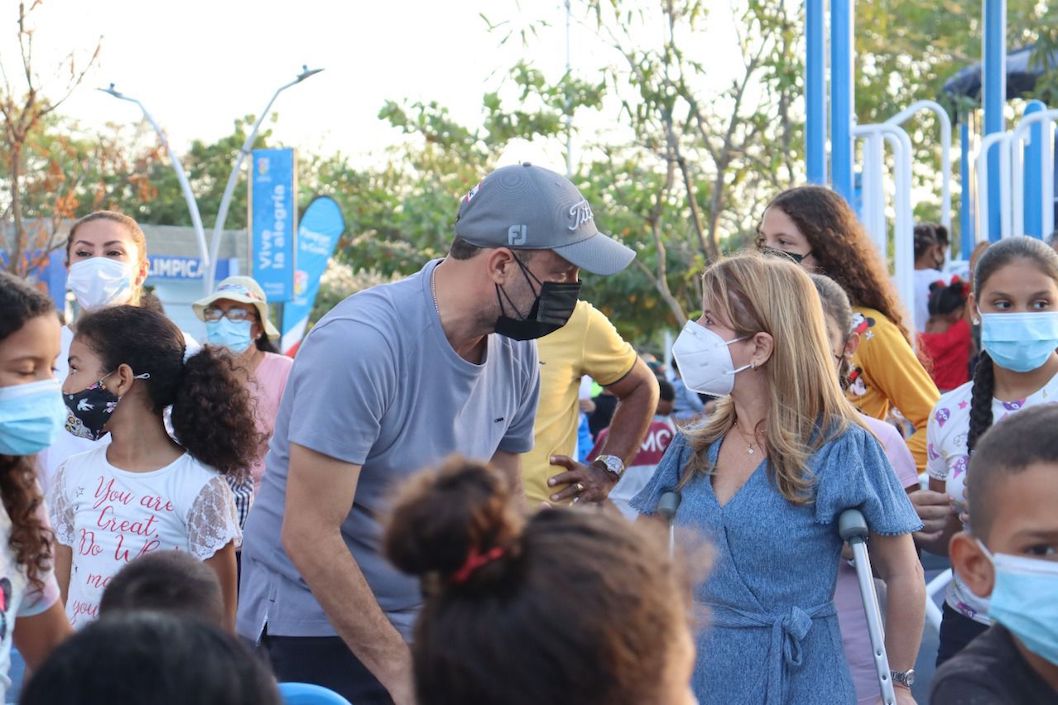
[181,175]
[229,189]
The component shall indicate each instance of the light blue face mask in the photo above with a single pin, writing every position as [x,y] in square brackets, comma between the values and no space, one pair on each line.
[234,335]
[1023,600]
[31,417]
[1020,342]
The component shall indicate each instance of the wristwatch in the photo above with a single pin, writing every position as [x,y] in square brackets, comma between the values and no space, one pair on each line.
[611,464]
[904,678]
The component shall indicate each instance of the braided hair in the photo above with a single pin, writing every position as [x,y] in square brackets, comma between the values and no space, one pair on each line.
[996,257]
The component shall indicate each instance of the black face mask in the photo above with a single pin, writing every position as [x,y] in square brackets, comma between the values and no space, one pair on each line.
[553,306]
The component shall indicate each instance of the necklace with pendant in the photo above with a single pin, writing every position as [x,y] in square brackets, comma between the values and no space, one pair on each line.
[751,447]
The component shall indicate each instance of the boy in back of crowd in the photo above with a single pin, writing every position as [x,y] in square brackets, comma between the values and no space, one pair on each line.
[1010,554]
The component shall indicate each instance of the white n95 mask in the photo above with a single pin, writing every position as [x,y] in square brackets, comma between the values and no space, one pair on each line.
[705,360]
[99,282]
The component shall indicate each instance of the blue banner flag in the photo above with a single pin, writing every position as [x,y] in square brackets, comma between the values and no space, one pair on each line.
[273,222]
[321,226]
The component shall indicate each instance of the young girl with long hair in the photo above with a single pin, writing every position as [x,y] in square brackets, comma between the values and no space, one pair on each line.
[106,262]
[816,228]
[765,478]
[146,491]
[31,415]
[1015,300]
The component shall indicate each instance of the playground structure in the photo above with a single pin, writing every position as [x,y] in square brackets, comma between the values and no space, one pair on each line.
[1006,175]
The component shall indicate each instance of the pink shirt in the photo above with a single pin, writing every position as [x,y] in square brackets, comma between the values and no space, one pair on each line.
[854,636]
[270,379]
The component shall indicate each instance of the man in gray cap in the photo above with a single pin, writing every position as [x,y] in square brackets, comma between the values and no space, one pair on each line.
[394,379]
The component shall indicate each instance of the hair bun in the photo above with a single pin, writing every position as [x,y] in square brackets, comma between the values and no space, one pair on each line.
[442,517]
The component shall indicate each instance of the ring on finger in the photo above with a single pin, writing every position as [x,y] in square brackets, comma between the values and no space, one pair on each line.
[579,487]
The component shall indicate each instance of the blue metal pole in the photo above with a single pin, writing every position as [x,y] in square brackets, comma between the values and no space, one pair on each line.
[842,95]
[966,215]
[1033,168]
[994,81]
[815,92]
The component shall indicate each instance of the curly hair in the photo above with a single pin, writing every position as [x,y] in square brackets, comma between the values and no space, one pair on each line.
[30,539]
[841,246]
[212,411]
[996,257]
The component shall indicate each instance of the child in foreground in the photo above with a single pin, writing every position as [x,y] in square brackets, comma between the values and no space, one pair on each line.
[1009,553]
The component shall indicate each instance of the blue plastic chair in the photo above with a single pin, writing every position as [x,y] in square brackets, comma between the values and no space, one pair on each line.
[309,694]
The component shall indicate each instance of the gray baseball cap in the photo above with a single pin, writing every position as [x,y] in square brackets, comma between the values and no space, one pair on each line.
[527,207]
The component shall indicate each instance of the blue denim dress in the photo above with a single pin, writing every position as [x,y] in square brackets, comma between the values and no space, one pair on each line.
[771,635]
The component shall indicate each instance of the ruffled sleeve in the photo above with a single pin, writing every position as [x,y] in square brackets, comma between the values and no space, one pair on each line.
[666,476]
[213,521]
[852,472]
[61,509]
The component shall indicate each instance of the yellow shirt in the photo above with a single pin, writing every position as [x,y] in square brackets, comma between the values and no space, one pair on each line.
[587,345]
[887,374]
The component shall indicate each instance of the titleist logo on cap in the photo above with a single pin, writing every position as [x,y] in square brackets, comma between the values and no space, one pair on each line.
[579,214]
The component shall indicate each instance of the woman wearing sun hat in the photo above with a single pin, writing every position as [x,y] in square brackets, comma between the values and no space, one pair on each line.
[236,316]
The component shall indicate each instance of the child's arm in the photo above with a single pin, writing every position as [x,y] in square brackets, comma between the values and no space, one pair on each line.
[223,564]
[38,635]
[63,563]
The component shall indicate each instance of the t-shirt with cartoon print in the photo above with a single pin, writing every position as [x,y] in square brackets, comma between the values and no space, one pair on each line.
[18,598]
[109,516]
[949,425]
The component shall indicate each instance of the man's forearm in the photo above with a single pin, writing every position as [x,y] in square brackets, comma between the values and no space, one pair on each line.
[339,585]
[630,422]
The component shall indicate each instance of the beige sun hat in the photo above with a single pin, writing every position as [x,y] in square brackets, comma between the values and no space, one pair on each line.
[244,290]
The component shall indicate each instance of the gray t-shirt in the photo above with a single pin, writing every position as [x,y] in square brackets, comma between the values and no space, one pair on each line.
[377,384]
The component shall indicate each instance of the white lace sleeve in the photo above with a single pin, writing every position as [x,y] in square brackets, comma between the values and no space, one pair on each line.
[213,522]
[60,508]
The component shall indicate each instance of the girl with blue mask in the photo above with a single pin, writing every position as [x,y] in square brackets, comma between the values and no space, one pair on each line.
[31,416]
[1010,555]
[236,318]
[1015,300]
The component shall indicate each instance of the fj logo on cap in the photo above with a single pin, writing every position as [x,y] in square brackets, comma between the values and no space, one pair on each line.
[579,214]
[517,235]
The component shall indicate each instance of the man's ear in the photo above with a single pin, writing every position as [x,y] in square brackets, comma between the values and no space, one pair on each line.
[852,344]
[500,265]
[763,346]
[971,564]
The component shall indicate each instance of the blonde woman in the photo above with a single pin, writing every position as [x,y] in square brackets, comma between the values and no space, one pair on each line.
[765,479]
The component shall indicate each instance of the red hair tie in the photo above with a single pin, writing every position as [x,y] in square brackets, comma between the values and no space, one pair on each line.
[474,562]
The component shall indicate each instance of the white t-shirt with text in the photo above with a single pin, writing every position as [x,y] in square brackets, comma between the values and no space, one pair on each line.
[109,516]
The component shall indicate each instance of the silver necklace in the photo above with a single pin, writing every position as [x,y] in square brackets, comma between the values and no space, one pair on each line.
[750,445]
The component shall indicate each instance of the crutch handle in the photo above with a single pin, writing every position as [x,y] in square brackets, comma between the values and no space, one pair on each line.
[852,527]
[668,504]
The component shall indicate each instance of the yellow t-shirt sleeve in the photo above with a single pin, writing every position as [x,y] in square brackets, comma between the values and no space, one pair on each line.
[607,357]
[891,368]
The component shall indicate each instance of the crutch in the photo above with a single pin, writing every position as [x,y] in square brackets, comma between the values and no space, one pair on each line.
[853,529]
[667,506]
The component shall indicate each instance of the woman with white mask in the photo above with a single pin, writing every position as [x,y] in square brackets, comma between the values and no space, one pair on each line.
[236,317]
[765,478]
[106,263]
